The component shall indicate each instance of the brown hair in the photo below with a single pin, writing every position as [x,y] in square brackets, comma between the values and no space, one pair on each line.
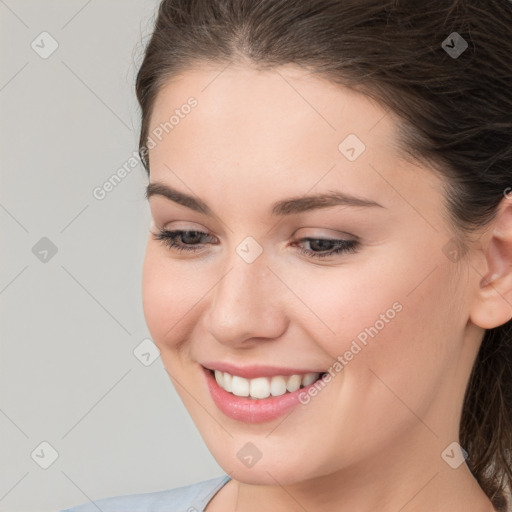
[455,112]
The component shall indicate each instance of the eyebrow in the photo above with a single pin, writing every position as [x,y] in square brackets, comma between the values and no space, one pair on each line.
[289,206]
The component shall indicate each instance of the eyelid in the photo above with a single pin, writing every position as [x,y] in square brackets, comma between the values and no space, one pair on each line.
[326,233]
[335,235]
[178,225]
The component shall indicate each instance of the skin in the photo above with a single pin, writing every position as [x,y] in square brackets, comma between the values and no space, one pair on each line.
[372,438]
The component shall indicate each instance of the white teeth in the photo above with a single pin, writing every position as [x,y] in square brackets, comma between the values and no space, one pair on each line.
[227,380]
[239,386]
[293,383]
[263,387]
[260,388]
[278,386]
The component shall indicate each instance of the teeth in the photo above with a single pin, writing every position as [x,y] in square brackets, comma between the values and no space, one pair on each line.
[240,386]
[263,387]
[278,386]
[227,380]
[259,388]
[293,383]
[219,377]
[309,378]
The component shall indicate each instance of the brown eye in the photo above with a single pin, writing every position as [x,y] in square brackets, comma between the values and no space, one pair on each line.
[181,240]
[325,248]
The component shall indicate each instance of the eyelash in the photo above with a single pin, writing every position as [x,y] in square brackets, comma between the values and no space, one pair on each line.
[168,237]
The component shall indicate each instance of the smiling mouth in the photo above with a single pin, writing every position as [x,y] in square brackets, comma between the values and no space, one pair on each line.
[263,387]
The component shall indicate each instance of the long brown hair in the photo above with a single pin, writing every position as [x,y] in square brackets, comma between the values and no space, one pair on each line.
[455,107]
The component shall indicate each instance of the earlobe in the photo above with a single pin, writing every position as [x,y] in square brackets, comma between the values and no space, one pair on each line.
[492,305]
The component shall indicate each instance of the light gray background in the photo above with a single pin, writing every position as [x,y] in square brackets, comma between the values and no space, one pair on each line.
[69,325]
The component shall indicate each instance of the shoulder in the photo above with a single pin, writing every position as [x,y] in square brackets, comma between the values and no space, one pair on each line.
[188,498]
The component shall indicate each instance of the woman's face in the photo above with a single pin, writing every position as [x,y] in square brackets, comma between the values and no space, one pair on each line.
[387,315]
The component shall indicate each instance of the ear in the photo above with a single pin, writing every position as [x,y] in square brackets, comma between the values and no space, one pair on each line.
[492,304]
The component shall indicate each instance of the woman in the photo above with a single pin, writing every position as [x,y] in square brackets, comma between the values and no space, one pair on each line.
[328,273]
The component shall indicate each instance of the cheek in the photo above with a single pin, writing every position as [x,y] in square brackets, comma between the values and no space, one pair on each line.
[168,297]
[402,304]
[389,322]
[344,306]
[413,360]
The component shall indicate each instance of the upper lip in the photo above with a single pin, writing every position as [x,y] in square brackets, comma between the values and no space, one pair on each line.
[253,371]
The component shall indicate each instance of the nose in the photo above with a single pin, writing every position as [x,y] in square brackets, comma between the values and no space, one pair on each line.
[247,304]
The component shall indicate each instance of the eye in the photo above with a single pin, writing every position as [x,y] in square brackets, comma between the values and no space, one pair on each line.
[188,240]
[323,245]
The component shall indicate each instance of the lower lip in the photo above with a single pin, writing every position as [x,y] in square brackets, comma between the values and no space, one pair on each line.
[251,410]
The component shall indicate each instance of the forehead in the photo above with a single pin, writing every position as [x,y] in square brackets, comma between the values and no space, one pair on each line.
[264,129]
[242,99]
